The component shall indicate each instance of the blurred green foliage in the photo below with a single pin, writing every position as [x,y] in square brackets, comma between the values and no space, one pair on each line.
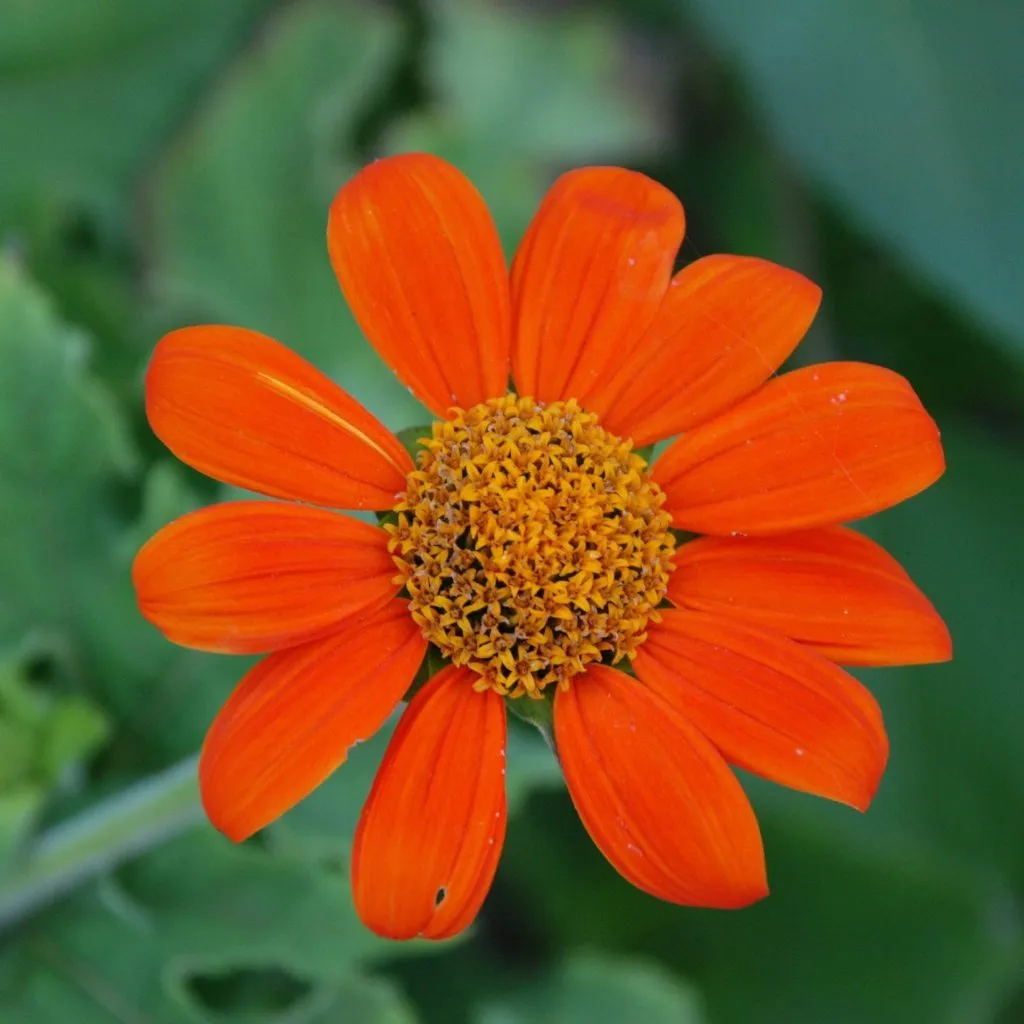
[168,163]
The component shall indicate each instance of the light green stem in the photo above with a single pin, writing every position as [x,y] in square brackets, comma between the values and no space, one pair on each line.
[97,840]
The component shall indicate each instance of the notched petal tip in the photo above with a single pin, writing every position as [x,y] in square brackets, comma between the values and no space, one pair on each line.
[588,277]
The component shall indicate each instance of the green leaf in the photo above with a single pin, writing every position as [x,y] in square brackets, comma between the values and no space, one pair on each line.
[519,93]
[64,555]
[957,762]
[166,495]
[57,545]
[75,729]
[831,942]
[201,930]
[56,523]
[240,207]
[901,112]
[540,86]
[17,752]
[20,807]
[364,999]
[21,711]
[42,734]
[89,91]
[210,897]
[592,989]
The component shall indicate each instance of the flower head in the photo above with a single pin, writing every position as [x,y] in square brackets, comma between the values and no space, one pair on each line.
[534,548]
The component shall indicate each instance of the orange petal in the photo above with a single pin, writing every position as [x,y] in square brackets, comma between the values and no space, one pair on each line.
[588,279]
[245,409]
[832,589]
[725,326]
[655,795]
[292,719]
[431,833]
[818,446]
[770,705]
[253,576]
[419,260]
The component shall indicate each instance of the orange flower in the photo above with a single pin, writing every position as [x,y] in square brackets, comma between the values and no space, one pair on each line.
[534,548]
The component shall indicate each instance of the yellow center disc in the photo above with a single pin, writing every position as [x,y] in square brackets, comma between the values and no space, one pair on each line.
[531,542]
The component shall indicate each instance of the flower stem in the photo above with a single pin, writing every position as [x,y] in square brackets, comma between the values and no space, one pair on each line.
[144,815]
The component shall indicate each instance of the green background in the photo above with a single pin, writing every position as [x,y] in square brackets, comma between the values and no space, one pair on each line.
[165,163]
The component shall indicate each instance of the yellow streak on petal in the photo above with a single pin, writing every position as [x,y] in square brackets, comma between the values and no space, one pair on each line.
[328,414]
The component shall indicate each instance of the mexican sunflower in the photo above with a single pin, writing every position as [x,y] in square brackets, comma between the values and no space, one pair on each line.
[674,619]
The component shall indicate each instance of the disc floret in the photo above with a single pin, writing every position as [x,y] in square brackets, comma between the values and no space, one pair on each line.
[531,543]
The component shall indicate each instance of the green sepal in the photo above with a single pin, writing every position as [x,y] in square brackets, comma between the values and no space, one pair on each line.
[539,712]
[625,666]
[411,438]
[645,452]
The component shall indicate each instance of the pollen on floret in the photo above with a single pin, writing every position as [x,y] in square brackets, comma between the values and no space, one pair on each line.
[531,543]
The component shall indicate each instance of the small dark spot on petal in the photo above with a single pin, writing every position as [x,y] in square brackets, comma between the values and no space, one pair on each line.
[439,898]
